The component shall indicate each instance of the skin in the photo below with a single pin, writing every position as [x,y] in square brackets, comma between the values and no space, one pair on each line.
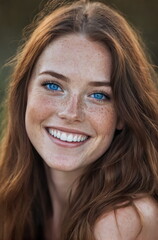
[73,107]
[87,67]
[70,104]
[127,224]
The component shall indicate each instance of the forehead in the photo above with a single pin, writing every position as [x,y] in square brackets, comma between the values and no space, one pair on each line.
[75,53]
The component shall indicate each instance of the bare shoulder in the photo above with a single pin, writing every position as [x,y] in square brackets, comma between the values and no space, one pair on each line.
[129,224]
[148,211]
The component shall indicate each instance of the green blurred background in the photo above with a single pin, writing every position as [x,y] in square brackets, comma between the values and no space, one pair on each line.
[16,14]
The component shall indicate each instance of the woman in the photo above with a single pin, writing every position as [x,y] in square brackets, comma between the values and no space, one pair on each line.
[79,155]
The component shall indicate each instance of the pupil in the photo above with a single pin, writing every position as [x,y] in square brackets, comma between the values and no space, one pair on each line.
[98,95]
[54,87]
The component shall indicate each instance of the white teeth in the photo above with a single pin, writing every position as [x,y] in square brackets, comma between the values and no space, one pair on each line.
[51,131]
[55,133]
[58,134]
[69,137]
[75,138]
[79,138]
[82,138]
[63,137]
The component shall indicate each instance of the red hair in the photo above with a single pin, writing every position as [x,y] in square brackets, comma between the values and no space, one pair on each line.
[127,169]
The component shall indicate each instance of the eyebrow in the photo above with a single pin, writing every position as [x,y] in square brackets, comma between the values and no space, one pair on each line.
[56,75]
[100,84]
[64,78]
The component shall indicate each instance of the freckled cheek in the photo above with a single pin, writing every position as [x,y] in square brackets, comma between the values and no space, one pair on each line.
[103,118]
[41,108]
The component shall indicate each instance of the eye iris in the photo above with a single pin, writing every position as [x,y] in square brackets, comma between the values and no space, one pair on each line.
[99,96]
[53,86]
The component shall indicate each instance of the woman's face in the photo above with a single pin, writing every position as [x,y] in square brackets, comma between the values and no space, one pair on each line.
[70,115]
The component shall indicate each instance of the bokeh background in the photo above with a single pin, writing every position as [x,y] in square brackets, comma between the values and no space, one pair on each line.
[16,14]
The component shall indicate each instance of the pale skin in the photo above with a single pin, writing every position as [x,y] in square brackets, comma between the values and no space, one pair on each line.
[70,93]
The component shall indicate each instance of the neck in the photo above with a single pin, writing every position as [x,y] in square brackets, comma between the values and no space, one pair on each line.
[61,184]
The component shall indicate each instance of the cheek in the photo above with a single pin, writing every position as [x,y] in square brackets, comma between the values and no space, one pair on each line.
[40,108]
[104,119]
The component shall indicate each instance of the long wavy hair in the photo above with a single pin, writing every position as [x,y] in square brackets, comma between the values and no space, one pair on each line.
[129,167]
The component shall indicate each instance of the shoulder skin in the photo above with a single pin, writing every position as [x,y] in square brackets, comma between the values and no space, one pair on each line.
[128,224]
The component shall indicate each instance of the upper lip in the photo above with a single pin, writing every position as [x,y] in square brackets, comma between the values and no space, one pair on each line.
[68,130]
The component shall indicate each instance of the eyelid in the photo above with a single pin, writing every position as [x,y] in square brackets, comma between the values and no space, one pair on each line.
[44,83]
[107,95]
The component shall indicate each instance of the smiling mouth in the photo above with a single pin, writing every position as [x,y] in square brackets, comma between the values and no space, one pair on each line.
[67,137]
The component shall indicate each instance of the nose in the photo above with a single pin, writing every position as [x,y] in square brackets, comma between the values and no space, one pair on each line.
[72,109]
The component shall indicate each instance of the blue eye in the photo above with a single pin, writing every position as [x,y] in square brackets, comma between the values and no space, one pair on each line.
[53,86]
[99,96]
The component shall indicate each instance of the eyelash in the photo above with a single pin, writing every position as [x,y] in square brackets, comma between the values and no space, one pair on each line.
[106,96]
[45,84]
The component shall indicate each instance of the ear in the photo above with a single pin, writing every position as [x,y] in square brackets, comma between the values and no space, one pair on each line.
[120,124]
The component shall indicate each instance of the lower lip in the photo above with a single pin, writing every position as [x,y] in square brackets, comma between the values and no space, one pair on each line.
[66,144]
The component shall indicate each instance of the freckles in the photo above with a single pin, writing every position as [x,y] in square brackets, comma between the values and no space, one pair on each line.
[101,111]
[103,116]
[41,107]
[97,114]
